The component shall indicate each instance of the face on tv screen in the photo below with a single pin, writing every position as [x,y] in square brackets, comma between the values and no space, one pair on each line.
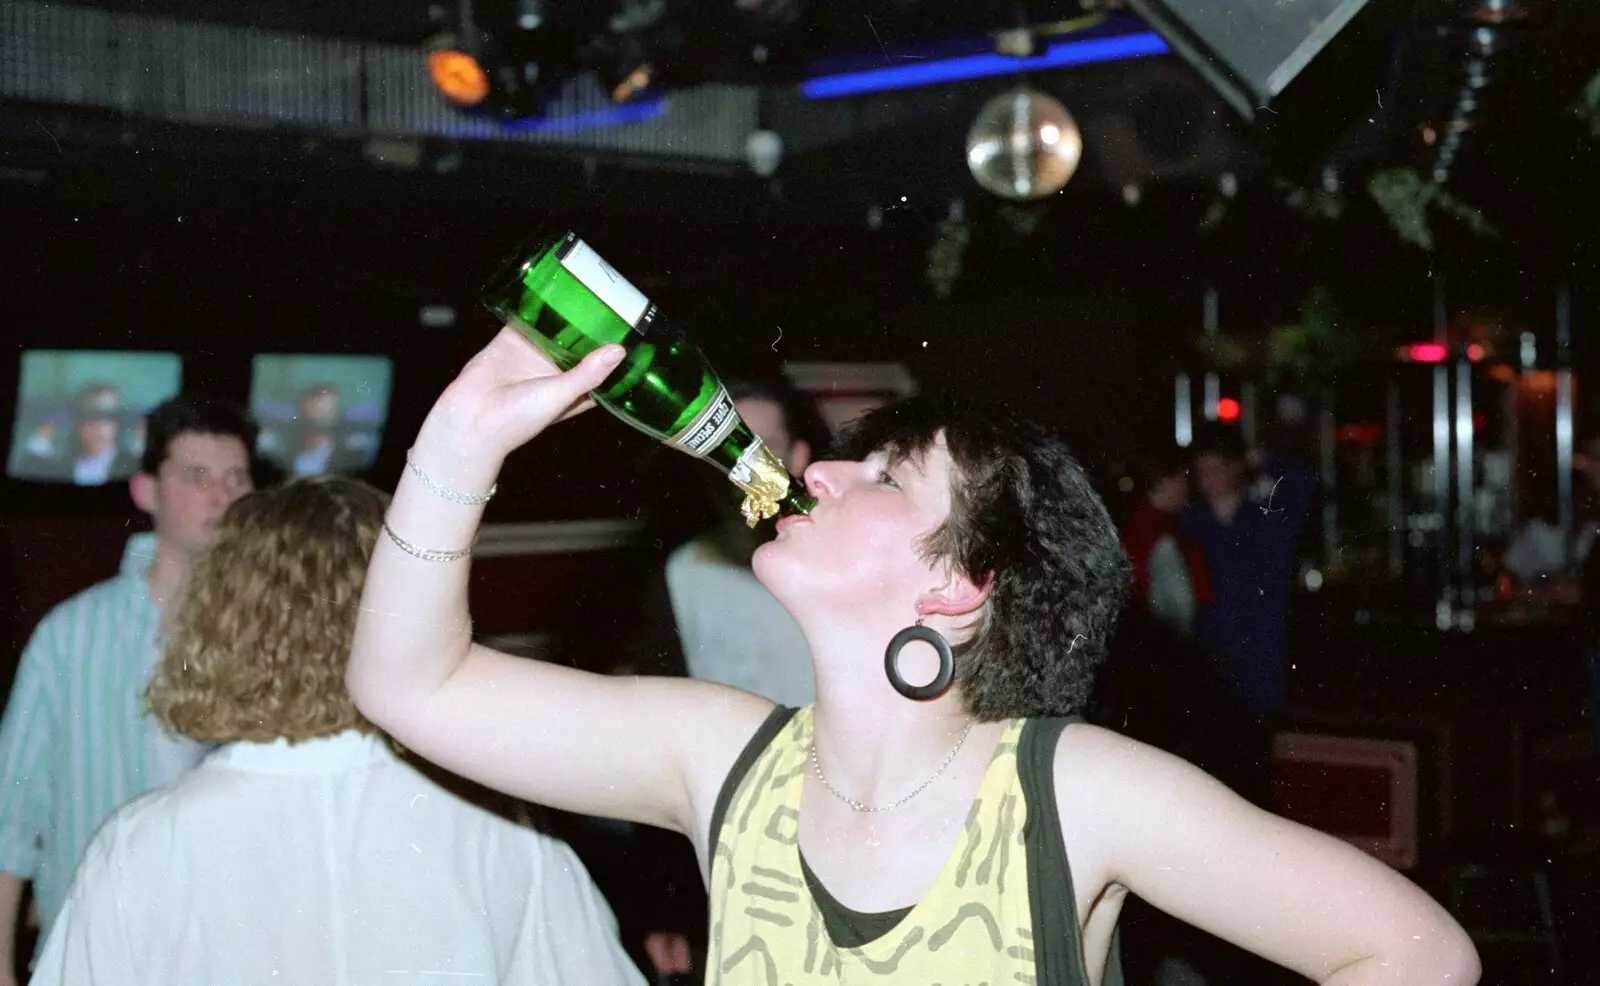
[320,414]
[80,413]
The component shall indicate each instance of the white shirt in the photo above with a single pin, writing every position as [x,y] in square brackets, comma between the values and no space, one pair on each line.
[1538,549]
[1171,586]
[732,629]
[326,862]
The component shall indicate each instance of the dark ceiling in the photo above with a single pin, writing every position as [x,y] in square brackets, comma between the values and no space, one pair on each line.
[119,222]
[1486,109]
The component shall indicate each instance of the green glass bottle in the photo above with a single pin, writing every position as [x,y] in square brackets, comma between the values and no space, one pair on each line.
[568,301]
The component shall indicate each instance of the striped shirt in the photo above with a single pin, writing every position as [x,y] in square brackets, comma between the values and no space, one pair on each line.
[77,741]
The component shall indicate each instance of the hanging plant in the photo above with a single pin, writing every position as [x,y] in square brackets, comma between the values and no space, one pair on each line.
[947,254]
[1407,199]
[1322,340]
[1588,106]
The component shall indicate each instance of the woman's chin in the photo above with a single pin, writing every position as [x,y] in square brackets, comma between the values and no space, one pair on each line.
[766,558]
[776,568]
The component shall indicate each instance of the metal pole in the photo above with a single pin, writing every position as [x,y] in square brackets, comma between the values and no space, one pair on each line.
[1441,478]
[1441,457]
[1183,411]
[1210,323]
[1465,500]
[1564,420]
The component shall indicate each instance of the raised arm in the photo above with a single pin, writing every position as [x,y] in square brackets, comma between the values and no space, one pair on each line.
[649,750]
[1294,896]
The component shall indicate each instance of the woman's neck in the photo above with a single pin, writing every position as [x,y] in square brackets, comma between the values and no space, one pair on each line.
[873,743]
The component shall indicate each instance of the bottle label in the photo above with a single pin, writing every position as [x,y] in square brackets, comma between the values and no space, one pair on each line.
[600,278]
[710,427]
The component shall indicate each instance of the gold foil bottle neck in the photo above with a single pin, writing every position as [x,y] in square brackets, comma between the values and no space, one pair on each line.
[765,481]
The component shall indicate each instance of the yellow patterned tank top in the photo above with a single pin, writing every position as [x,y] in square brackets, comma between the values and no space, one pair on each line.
[1002,910]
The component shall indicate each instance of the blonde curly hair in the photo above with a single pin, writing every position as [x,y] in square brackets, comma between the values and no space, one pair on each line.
[261,632]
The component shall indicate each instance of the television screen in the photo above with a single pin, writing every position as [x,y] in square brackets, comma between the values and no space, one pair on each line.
[80,413]
[320,413]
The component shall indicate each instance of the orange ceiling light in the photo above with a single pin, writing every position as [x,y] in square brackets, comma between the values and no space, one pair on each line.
[458,76]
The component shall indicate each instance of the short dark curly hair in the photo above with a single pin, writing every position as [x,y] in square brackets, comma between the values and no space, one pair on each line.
[1023,512]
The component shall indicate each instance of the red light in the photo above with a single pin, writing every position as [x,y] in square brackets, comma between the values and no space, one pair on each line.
[1475,352]
[1227,409]
[1360,434]
[1427,352]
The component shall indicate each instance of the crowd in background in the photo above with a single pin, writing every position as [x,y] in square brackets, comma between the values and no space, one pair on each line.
[188,784]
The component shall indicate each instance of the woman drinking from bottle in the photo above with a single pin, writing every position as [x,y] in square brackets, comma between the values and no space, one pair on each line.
[939,814]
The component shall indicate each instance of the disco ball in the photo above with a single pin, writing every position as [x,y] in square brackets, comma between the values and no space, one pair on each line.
[1023,145]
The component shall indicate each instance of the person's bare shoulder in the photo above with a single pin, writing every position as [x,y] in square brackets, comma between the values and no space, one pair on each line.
[1141,819]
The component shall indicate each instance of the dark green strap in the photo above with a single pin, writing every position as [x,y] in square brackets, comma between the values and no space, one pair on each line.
[1057,940]
[770,727]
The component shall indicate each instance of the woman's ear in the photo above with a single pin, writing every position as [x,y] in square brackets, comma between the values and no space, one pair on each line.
[957,596]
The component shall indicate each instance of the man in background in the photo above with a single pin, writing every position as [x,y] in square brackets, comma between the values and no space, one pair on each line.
[225,873]
[322,439]
[99,456]
[76,742]
[730,628]
[87,449]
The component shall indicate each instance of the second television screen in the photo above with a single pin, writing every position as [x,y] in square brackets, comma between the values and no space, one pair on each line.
[320,413]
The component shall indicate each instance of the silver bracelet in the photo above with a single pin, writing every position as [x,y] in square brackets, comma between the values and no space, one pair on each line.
[427,554]
[465,499]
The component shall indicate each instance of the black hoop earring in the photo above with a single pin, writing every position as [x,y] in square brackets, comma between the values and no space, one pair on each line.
[947,663]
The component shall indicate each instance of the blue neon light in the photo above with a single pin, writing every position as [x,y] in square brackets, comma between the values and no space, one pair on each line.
[1062,54]
[611,116]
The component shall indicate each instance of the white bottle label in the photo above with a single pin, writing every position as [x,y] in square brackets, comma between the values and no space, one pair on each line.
[710,427]
[610,287]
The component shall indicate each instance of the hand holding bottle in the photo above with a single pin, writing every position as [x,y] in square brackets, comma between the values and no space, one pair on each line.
[567,301]
[505,395]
